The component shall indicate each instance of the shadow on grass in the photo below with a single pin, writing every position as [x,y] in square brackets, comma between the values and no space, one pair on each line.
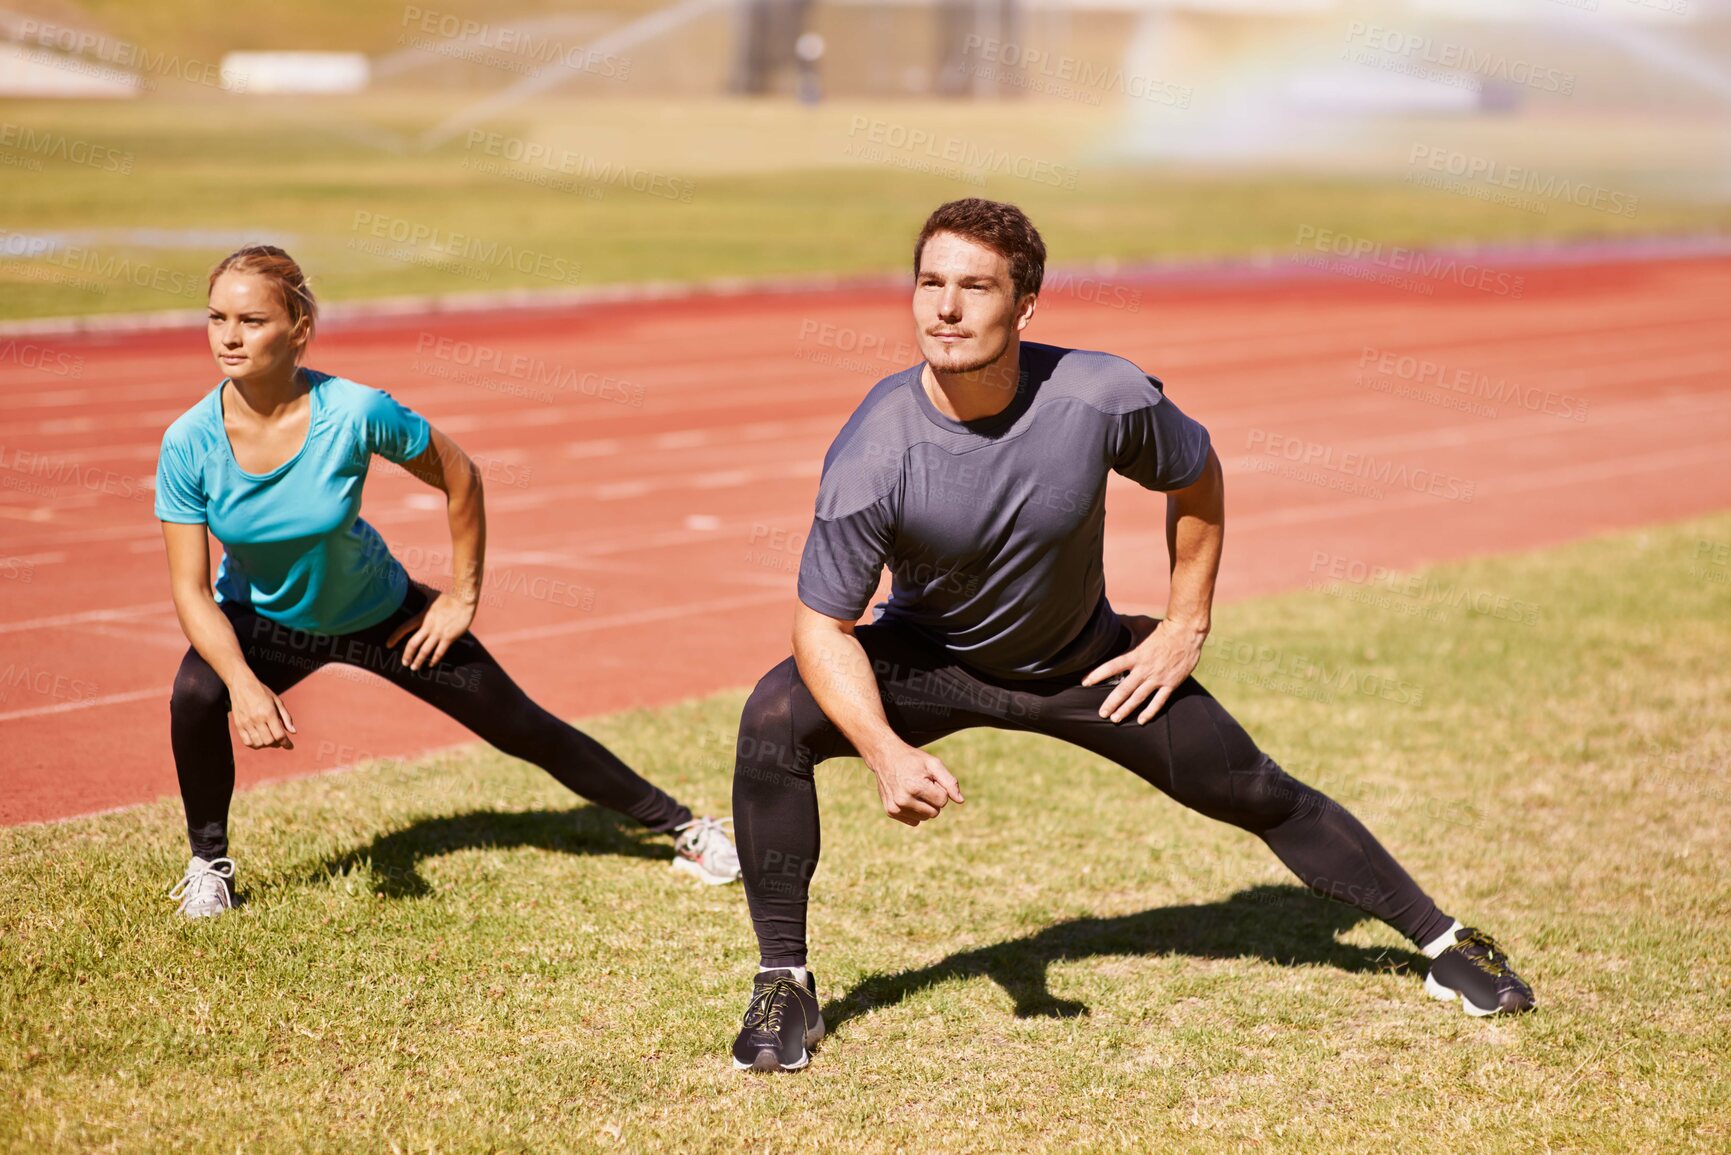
[395,858]
[1282,924]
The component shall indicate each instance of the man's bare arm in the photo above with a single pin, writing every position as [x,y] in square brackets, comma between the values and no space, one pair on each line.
[1161,660]
[913,784]
[1195,537]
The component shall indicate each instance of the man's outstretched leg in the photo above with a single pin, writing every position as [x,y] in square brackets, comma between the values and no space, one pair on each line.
[1197,753]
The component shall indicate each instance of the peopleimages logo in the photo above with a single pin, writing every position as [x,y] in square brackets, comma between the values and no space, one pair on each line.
[565,162]
[59,146]
[1398,258]
[32,355]
[1302,674]
[1420,53]
[531,48]
[969,158]
[1329,571]
[113,58]
[1060,74]
[541,379]
[107,270]
[481,253]
[1461,166]
[1365,467]
[1425,375]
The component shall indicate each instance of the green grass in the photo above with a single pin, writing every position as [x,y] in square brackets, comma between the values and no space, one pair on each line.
[746,189]
[453,956]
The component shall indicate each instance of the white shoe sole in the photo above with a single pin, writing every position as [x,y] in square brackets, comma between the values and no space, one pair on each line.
[1448,994]
[194,915]
[696,870]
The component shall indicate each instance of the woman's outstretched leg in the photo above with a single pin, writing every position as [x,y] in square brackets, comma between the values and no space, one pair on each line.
[469,685]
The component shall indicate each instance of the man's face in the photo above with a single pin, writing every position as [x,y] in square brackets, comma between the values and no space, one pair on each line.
[965,307]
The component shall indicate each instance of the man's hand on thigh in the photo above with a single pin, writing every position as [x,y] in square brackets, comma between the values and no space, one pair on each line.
[1163,655]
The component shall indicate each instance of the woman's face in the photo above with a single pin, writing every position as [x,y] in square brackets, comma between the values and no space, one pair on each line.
[251,336]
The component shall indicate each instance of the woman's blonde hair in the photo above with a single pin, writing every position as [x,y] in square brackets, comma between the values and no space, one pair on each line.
[271,262]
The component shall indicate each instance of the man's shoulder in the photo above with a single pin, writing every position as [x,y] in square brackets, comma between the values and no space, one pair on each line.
[1103,381]
[864,461]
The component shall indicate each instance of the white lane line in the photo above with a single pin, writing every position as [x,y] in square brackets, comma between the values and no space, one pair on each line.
[1475,433]
[1515,483]
[638,617]
[602,448]
[625,490]
[684,439]
[88,704]
[610,622]
[150,633]
[115,614]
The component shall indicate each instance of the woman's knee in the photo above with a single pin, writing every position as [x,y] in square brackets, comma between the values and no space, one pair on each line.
[198,691]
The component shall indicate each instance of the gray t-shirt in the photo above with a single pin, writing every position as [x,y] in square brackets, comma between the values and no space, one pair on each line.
[993,529]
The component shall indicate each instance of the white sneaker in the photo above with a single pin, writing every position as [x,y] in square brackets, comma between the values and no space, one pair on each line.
[206,890]
[704,850]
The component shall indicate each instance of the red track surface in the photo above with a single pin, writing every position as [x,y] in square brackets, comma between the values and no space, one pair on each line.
[674,525]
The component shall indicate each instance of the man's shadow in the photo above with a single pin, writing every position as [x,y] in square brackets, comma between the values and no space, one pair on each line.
[1288,925]
[395,859]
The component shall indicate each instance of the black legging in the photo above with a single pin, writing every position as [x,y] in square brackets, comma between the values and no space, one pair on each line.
[466,684]
[1193,750]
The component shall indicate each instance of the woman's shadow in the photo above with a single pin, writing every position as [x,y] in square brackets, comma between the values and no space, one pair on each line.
[1288,925]
[394,859]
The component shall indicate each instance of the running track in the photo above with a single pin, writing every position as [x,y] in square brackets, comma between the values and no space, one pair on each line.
[642,553]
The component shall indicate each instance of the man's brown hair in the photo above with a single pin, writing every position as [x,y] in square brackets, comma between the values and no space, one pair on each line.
[1003,228]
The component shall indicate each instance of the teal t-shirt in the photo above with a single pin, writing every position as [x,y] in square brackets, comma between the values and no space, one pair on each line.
[294,546]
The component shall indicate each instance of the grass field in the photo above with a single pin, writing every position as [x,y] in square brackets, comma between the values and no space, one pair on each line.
[635,191]
[451,956]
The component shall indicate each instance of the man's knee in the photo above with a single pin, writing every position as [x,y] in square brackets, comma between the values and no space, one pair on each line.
[779,724]
[1266,796]
[1218,770]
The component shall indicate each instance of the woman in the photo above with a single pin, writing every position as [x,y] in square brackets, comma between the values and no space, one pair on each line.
[271,462]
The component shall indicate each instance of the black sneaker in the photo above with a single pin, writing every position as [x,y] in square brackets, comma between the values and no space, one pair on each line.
[1476,969]
[782,1024]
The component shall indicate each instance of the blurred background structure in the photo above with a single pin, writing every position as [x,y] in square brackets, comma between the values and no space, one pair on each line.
[1252,79]
[728,134]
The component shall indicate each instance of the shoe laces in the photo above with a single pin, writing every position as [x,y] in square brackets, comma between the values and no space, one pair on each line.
[768,1004]
[203,879]
[1489,957]
[705,825]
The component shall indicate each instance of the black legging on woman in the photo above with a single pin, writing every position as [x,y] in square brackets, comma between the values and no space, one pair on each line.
[1192,751]
[468,685]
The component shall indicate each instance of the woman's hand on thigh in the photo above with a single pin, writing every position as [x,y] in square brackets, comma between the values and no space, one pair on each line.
[260,716]
[432,631]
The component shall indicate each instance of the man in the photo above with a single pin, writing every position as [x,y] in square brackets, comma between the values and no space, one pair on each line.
[979,478]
